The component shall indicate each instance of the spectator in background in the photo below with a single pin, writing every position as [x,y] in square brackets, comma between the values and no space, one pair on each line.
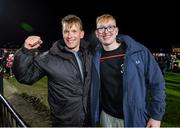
[9,63]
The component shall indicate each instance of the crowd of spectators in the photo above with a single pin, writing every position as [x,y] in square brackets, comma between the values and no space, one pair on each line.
[167,61]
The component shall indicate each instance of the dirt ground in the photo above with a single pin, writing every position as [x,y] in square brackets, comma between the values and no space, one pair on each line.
[27,111]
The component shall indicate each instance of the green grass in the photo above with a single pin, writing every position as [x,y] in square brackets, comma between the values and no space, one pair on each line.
[172,114]
[38,89]
[173,77]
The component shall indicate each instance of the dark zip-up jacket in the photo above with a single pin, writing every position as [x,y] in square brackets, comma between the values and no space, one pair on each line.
[67,93]
[143,86]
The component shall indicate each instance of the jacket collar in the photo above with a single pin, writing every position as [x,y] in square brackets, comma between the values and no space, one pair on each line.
[132,45]
[59,49]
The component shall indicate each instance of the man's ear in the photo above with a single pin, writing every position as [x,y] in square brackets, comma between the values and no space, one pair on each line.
[82,34]
[117,31]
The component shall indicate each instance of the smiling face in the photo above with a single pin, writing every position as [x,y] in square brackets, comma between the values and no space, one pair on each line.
[72,35]
[72,32]
[106,30]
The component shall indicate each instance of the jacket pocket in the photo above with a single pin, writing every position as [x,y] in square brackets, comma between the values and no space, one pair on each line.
[141,117]
[137,117]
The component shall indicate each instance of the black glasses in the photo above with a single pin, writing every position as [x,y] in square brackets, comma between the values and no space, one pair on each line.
[108,28]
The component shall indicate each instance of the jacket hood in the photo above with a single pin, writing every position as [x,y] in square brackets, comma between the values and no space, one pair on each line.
[130,43]
[58,48]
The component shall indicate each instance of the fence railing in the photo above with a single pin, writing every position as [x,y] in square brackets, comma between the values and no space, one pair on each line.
[8,116]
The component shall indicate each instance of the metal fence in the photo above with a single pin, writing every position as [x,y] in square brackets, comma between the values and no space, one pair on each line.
[9,117]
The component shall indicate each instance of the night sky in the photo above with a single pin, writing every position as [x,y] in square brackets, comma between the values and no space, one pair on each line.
[154,24]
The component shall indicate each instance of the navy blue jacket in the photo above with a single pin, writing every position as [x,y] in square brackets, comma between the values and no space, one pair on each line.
[143,86]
